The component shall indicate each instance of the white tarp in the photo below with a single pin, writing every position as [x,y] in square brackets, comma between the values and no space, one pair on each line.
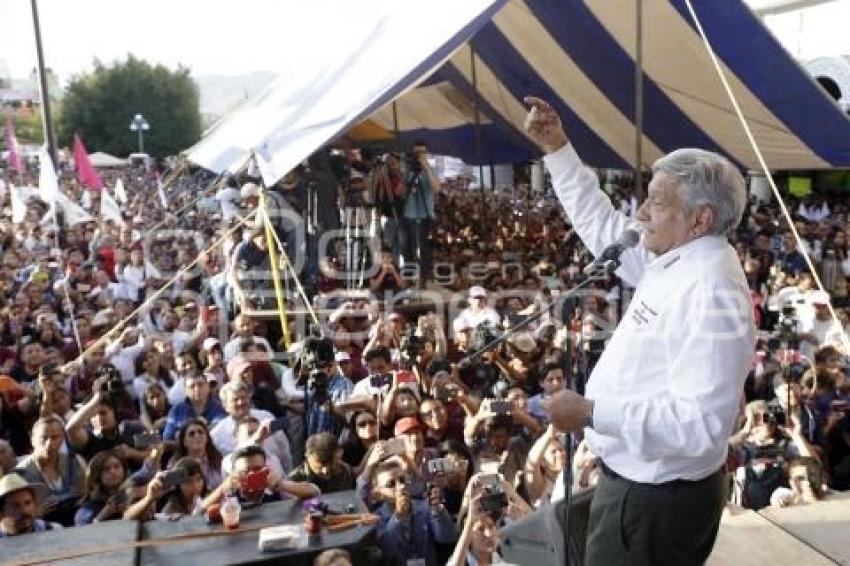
[315,100]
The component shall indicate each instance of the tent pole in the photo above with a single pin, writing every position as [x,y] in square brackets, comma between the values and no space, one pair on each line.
[492,177]
[639,192]
[395,124]
[477,123]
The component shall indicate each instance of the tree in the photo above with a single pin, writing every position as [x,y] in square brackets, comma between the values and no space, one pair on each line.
[100,105]
[28,127]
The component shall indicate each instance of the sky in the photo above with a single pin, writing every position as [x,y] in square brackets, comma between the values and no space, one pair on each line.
[210,37]
[231,38]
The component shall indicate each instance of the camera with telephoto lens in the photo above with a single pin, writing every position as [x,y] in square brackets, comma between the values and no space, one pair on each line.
[316,357]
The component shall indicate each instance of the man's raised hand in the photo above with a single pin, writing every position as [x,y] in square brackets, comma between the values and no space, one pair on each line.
[543,125]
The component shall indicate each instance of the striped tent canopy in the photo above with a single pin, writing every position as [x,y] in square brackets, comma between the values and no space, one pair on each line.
[580,56]
[458,71]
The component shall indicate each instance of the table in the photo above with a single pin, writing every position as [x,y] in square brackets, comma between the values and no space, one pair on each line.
[241,548]
[748,539]
[823,525]
[51,543]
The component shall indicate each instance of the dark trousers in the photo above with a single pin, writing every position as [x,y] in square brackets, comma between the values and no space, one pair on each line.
[674,523]
[417,244]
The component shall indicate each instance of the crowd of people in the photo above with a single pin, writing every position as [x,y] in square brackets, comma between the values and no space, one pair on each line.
[146,372]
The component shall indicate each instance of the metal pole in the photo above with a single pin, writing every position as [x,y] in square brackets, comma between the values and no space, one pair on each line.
[395,123]
[639,193]
[141,142]
[477,123]
[46,118]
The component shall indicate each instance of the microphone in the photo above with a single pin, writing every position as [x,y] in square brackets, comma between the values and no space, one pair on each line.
[609,259]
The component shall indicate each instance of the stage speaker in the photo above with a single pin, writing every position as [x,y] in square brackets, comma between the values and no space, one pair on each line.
[540,538]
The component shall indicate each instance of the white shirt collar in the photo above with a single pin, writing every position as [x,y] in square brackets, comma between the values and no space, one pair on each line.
[688,249]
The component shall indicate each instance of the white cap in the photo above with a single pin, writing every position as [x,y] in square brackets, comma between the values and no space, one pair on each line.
[342,356]
[209,343]
[477,291]
[249,190]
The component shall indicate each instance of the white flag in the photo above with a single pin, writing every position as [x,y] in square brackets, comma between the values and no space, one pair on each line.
[85,201]
[161,191]
[20,197]
[74,213]
[120,194]
[48,184]
[109,209]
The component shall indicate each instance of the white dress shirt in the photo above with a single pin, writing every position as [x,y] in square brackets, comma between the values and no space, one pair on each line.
[667,387]
[474,318]
[277,444]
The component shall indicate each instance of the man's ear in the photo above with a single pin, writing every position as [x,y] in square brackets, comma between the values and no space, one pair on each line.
[703,220]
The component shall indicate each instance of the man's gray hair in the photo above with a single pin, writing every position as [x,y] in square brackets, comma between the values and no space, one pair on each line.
[706,178]
[232,387]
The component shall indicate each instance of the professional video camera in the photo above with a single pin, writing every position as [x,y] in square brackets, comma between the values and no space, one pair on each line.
[410,347]
[775,415]
[107,379]
[485,375]
[316,358]
[787,327]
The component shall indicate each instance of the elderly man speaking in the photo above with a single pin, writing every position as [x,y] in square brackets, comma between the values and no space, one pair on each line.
[662,400]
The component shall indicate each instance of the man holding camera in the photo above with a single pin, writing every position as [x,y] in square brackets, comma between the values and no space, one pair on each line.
[663,398]
[408,528]
[421,183]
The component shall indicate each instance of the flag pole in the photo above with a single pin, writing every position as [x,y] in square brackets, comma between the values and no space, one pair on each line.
[47,121]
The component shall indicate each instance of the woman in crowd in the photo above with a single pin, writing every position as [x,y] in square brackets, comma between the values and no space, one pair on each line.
[154,407]
[149,369]
[454,482]
[360,437]
[544,466]
[400,402]
[186,498]
[434,416]
[212,359]
[104,498]
[193,441]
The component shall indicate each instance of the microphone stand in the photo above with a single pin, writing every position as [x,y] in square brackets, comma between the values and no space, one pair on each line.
[594,272]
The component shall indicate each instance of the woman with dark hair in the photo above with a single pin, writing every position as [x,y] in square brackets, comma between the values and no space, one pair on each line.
[360,437]
[193,441]
[211,357]
[454,482]
[186,498]
[154,407]
[149,369]
[104,499]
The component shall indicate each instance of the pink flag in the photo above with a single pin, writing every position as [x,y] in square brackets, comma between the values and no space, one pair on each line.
[85,172]
[14,158]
